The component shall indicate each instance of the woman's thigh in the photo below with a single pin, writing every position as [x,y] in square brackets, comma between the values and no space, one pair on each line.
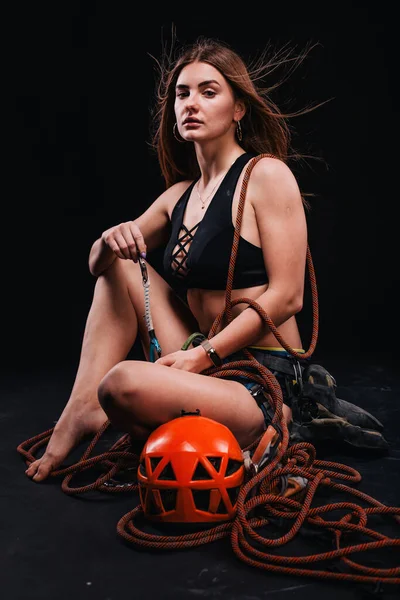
[172,319]
[145,394]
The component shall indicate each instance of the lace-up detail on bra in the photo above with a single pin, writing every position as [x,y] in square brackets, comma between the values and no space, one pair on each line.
[179,257]
[198,256]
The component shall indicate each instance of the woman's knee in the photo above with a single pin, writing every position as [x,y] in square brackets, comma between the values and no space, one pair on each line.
[117,385]
[246,435]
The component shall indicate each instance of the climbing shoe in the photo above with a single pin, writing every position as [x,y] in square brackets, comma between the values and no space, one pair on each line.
[319,416]
[319,386]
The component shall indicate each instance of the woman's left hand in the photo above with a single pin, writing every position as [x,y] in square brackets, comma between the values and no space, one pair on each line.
[194,360]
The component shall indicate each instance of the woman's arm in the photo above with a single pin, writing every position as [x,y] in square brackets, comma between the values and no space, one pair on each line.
[144,234]
[276,198]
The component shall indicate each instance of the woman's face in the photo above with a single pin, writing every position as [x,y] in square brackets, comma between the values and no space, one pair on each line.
[204,103]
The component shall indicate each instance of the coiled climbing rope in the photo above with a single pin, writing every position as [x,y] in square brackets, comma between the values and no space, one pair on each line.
[260,505]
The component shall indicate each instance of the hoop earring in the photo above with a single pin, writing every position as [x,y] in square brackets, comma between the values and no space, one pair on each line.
[239,132]
[180,140]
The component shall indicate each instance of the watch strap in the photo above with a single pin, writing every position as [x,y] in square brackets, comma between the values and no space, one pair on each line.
[212,353]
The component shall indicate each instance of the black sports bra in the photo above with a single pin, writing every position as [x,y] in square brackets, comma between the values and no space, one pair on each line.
[199,257]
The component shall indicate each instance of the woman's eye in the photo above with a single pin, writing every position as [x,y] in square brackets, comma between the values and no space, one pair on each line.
[207,93]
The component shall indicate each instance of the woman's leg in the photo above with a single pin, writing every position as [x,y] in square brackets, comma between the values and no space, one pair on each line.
[137,394]
[114,320]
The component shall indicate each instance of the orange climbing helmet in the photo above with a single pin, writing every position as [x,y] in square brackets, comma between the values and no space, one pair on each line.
[190,471]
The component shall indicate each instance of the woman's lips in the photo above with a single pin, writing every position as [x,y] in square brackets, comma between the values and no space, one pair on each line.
[192,124]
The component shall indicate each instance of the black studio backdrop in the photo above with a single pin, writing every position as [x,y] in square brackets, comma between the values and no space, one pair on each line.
[82,87]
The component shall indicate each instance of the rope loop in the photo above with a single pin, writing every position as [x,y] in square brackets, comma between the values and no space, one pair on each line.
[282,481]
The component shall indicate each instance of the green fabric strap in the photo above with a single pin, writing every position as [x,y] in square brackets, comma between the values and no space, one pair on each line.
[190,339]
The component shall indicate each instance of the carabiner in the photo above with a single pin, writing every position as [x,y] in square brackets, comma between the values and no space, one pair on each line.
[143,268]
[298,378]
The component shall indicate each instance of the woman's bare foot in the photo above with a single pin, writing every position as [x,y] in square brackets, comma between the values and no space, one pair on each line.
[72,426]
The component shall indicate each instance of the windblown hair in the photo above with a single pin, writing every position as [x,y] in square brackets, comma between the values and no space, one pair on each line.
[265,128]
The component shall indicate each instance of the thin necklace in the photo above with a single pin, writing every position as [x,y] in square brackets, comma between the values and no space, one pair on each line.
[203,202]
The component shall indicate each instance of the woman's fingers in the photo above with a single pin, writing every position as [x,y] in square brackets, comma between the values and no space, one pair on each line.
[110,241]
[122,243]
[140,244]
[117,242]
[129,234]
[126,241]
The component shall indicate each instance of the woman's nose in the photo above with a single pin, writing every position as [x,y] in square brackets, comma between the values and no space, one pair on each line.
[192,102]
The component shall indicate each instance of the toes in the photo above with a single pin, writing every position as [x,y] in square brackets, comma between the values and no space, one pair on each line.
[42,472]
[40,469]
[32,468]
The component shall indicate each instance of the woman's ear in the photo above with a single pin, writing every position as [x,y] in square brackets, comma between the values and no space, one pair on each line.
[240,110]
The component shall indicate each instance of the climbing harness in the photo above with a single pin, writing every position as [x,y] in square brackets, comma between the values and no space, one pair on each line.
[155,348]
[281,479]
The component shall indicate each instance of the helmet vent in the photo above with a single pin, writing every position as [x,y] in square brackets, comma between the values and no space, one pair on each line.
[168,498]
[200,473]
[215,461]
[142,468]
[152,507]
[233,466]
[154,461]
[222,510]
[167,473]
[142,494]
[233,494]
[201,499]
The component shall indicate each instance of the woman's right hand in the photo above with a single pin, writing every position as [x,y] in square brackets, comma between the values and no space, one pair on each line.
[125,240]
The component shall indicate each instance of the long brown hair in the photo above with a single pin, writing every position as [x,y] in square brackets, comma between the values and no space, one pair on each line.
[265,127]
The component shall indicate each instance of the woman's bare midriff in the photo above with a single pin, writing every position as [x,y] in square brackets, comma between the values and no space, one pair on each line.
[206,305]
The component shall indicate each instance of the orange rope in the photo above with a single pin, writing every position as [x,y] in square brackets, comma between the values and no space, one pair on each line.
[259,502]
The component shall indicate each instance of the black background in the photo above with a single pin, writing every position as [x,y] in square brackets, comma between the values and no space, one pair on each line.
[81,83]
[81,90]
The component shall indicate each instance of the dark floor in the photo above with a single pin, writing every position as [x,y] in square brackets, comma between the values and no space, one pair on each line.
[56,546]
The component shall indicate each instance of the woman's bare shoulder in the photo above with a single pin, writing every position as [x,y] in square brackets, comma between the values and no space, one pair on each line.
[272,180]
[271,168]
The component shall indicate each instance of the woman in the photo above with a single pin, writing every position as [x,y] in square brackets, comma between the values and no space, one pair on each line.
[211,121]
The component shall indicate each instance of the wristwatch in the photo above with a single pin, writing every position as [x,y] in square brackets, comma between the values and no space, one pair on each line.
[212,353]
